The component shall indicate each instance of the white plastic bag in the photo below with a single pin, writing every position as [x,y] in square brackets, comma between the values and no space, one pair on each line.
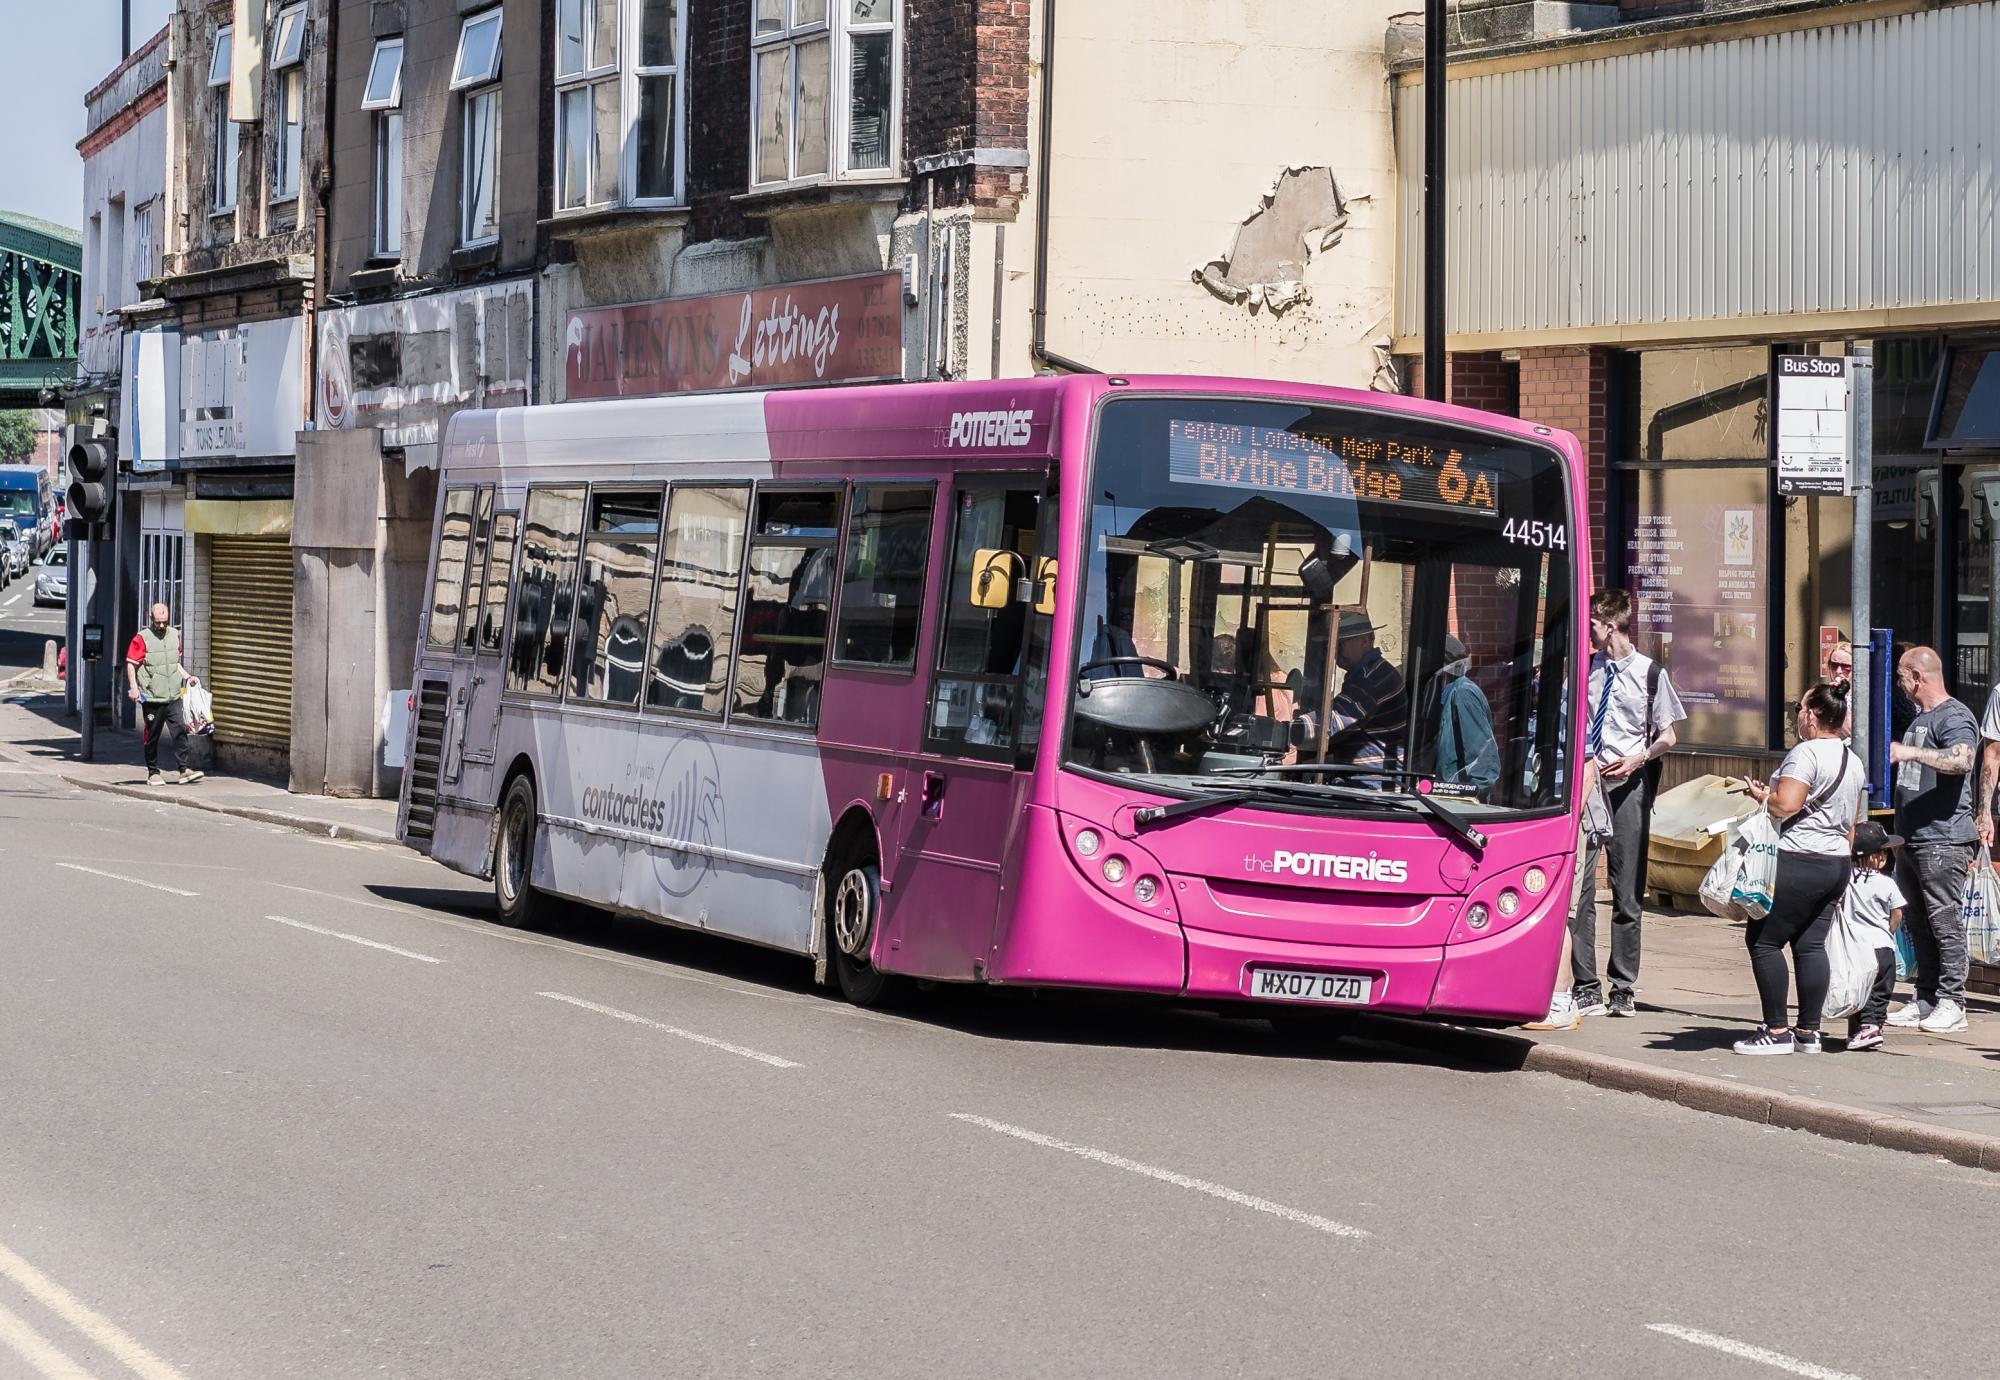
[1739,884]
[1978,906]
[198,708]
[1850,954]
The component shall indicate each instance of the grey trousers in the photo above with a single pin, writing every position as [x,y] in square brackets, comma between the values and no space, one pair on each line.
[1932,877]
[1631,820]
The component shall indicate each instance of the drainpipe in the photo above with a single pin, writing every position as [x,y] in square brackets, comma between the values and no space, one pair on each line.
[1039,347]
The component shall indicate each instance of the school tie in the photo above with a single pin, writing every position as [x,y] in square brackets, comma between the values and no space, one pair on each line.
[1594,743]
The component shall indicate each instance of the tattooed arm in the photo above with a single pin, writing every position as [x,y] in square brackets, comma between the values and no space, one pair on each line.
[1955,760]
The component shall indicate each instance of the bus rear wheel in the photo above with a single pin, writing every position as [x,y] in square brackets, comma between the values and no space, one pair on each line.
[520,905]
[854,901]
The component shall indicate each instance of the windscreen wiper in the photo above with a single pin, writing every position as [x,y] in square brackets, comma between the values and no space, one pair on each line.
[1473,837]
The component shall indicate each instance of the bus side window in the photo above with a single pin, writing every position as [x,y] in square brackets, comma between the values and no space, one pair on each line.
[694,619]
[882,588]
[614,600]
[499,574]
[448,589]
[475,569]
[789,593]
[550,536]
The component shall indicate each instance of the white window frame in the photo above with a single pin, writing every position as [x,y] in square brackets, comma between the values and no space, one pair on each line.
[288,144]
[466,238]
[626,68]
[384,48]
[839,28]
[474,87]
[386,240]
[462,80]
[225,171]
[288,44]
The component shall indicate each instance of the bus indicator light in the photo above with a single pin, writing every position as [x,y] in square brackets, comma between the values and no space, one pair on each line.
[1114,869]
[885,786]
[1510,901]
[1535,880]
[1086,843]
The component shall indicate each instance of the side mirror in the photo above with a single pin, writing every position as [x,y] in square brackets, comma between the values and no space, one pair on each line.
[993,577]
[1045,584]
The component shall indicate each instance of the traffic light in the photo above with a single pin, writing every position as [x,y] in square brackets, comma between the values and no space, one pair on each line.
[93,477]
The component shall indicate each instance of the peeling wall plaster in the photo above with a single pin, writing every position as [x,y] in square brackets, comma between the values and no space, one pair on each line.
[1303,214]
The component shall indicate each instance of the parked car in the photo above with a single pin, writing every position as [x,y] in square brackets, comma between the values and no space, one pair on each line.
[14,549]
[52,581]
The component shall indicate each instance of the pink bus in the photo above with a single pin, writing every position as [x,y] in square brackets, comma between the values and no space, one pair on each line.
[1244,692]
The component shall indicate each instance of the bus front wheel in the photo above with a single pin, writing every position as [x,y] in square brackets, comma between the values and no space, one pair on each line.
[520,905]
[855,903]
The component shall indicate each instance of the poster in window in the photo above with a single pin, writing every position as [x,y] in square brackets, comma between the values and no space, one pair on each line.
[1698,554]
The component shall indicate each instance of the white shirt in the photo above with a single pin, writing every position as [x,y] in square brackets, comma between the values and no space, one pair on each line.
[1624,726]
[1872,897]
[1989,727]
[1822,825]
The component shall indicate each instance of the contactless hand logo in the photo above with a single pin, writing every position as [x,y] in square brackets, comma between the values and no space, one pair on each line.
[689,791]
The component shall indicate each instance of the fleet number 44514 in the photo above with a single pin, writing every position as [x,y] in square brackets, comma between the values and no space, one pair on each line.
[1545,536]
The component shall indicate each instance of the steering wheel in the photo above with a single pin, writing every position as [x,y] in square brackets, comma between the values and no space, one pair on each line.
[1166,668]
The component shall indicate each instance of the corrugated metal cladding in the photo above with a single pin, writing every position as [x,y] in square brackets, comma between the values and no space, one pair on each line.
[250,639]
[1843,168]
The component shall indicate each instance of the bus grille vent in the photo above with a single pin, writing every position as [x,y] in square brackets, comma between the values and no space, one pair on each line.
[427,760]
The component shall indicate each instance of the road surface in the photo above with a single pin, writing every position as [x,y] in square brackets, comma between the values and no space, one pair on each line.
[279,1107]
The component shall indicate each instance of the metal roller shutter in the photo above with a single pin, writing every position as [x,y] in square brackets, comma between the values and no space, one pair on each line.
[250,639]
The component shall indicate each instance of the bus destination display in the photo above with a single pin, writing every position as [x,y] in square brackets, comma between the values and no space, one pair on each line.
[1329,464]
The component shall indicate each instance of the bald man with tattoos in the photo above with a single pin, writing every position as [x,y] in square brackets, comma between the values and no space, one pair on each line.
[1935,785]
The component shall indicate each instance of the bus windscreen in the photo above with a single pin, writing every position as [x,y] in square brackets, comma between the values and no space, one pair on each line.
[1381,593]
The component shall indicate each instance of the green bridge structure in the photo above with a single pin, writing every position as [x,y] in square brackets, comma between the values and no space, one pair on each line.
[41,304]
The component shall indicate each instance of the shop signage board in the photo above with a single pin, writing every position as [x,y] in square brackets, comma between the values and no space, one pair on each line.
[839,330]
[1815,425]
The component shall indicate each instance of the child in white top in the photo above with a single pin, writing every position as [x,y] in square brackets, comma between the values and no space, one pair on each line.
[1875,902]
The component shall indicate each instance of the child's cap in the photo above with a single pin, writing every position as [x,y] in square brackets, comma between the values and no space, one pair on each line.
[1870,837]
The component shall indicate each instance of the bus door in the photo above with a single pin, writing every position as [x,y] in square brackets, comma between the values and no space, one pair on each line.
[483,636]
[982,724]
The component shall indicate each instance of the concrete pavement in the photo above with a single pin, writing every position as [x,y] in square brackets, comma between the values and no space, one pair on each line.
[277,1106]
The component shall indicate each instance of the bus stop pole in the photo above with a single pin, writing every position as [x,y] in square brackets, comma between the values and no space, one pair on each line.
[1861,430]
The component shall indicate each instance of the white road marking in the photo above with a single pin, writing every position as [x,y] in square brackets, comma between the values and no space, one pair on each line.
[144,862]
[135,881]
[1747,1352]
[38,1351]
[355,939]
[490,931]
[1167,1176]
[85,1319]
[773,1060]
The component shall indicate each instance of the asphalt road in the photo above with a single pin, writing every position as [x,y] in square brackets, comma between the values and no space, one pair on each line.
[24,628]
[272,1106]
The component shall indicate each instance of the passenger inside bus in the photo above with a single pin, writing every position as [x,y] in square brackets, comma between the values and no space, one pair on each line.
[1459,747]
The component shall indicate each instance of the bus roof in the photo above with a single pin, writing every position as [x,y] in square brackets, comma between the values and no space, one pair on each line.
[968,424]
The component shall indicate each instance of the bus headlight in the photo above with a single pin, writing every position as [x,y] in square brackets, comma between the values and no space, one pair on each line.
[1536,880]
[1145,889]
[1114,869]
[1086,842]
[1510,902]
[1477,916]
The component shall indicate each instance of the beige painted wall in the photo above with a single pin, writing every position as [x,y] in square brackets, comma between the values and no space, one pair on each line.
[1173,119]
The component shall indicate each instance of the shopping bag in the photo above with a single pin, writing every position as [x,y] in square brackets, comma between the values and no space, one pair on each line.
[1906,954]
[1739,884]
[198,708]
[1850,953]
[1977,907]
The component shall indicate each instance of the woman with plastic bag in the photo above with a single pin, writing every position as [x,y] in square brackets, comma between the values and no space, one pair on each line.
[1815,797]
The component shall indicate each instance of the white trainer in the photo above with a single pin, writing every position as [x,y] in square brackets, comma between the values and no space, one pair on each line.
[1945,1018]
[1562,1015]
[1911,1013]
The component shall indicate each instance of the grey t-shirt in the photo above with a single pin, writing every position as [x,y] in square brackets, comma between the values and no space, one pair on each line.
[1931,808]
